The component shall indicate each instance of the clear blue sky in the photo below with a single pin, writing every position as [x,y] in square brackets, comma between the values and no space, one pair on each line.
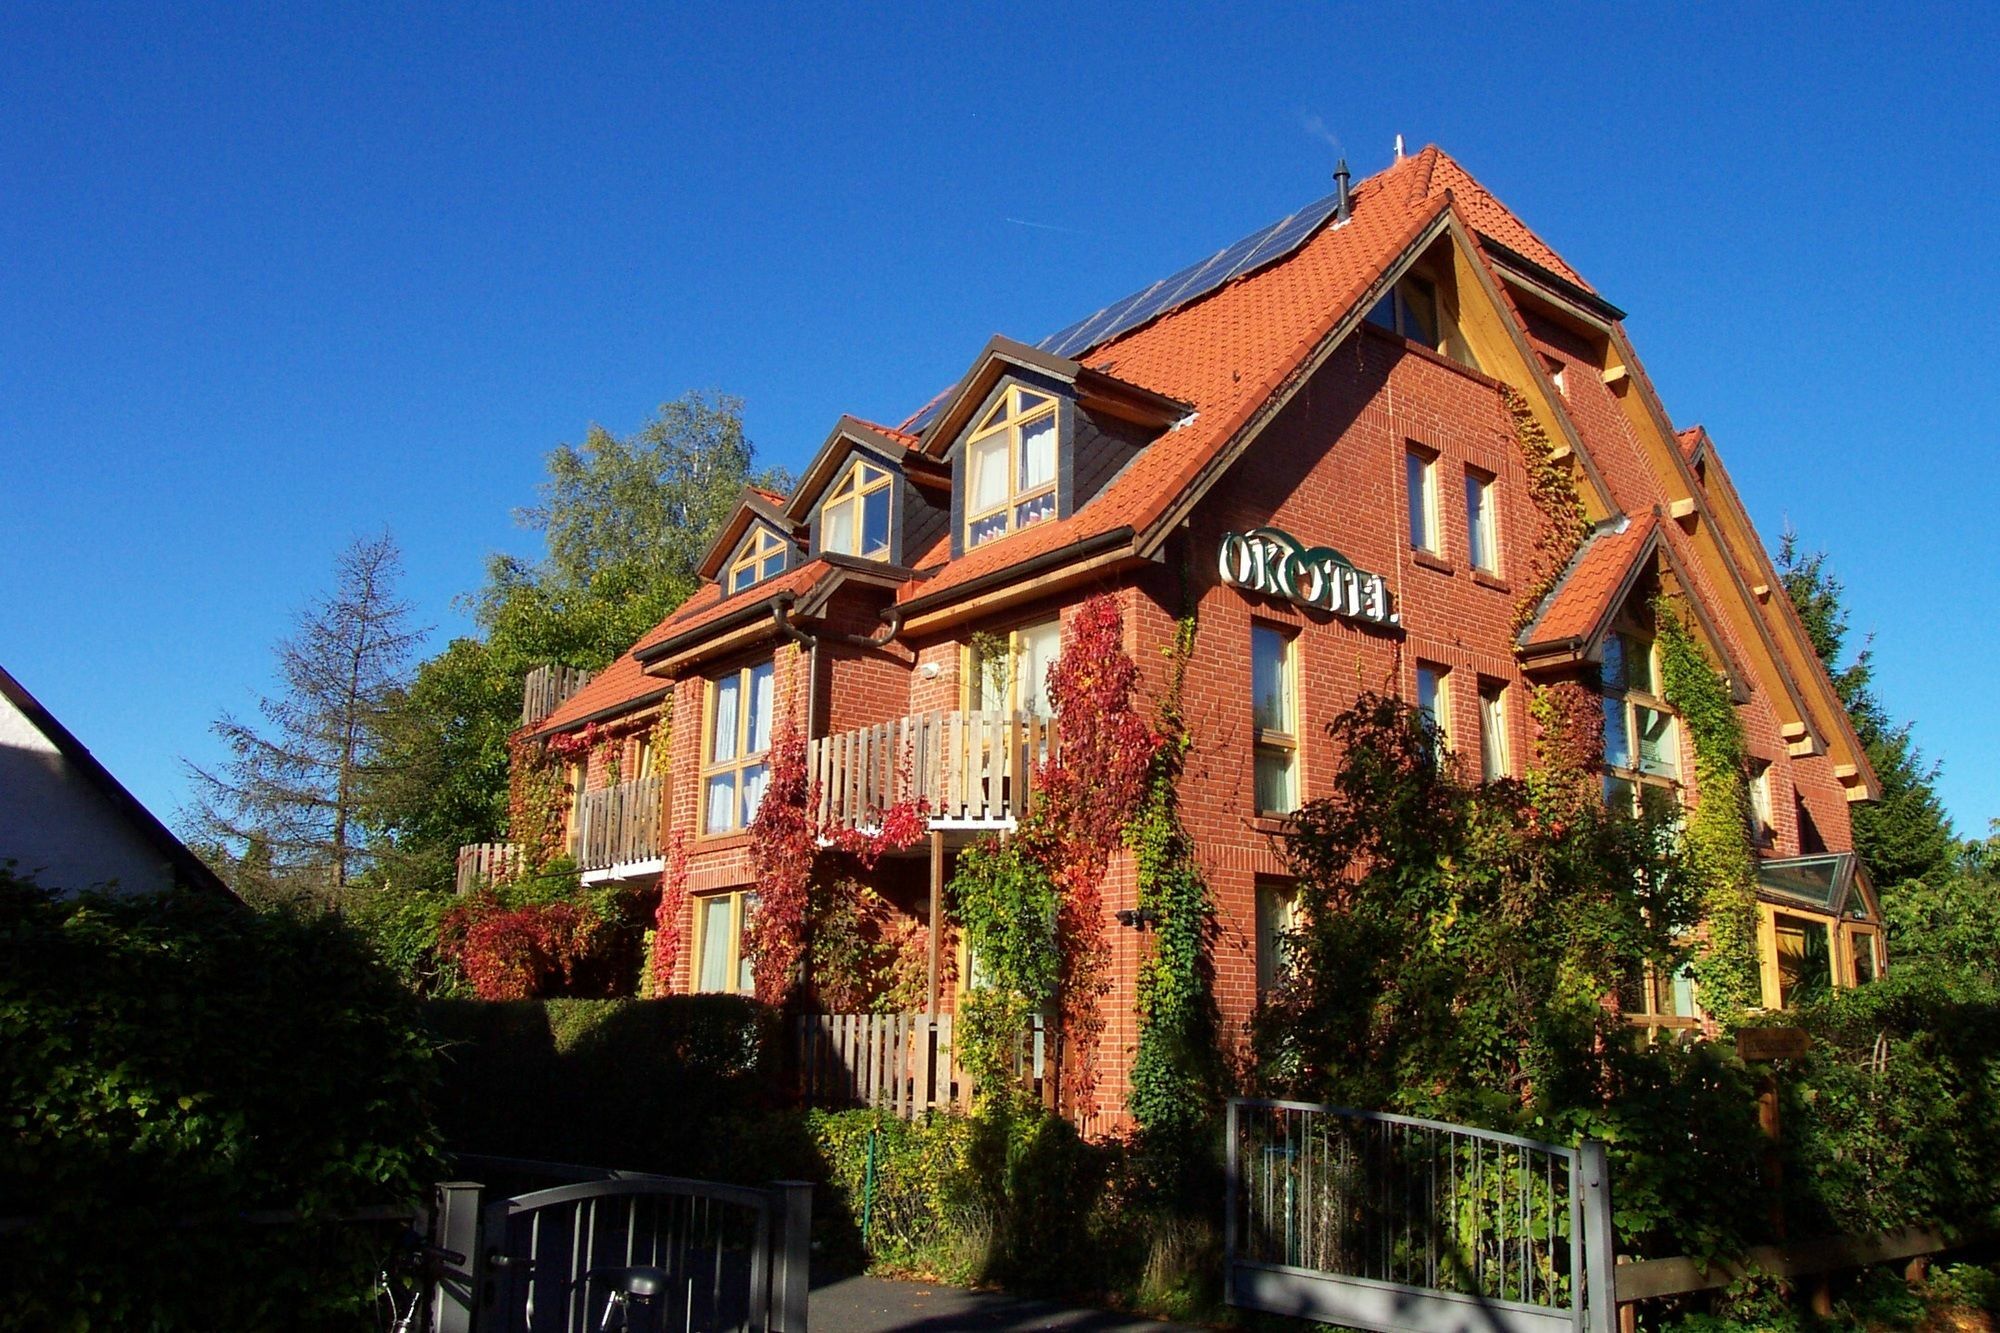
[275,276]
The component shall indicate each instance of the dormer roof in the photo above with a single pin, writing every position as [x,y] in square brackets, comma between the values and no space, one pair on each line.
[752,504]
[896,448]
[1095,387]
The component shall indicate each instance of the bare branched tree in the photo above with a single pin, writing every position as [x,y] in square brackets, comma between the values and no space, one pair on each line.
[289,794]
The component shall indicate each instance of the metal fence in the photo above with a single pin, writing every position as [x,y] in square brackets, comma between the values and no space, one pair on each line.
[706,1256]
[1389,1222]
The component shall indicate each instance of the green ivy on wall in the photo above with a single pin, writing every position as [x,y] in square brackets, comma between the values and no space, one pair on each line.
[1716,843]
[1176,1073]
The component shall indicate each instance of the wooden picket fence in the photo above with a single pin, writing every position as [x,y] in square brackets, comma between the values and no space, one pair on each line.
[618,825]
[907,1064]
[972,769]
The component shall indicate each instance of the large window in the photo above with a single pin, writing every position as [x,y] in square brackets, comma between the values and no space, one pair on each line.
[1495,761]
[855,518]
[1010,672]
[1642,749]
[1277,920]
[722,936]
[1420,479]
[1482,543]
[1274,719]
[1010,466]
[1805,959]
[761,555]
[739,735]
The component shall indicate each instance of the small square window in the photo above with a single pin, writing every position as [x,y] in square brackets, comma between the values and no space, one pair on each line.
[1481,542]
[1763,831]
[1420,479]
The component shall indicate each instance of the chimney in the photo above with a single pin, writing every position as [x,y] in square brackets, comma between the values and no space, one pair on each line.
[1341,208]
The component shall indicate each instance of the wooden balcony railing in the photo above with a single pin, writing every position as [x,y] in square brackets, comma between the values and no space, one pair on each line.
[908,1064]
[975,770]
[481,865]
[546,689]
[618,825]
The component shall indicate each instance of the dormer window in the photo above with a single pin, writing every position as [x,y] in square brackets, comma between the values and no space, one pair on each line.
[855,518]
[1011,466]
[761,555]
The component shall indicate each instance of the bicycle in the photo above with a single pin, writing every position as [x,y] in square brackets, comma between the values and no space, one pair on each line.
[414,1265]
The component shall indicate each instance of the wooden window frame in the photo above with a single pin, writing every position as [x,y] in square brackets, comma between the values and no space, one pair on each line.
[1276,742]
[1272,964]
[1496,750]
[759,547]
[1441,700]
[972,668]
[1420,466]
[1010,418]
[742,907]
[1482,529]
[1630,699]
[852,492]
[740,761]
[579,780]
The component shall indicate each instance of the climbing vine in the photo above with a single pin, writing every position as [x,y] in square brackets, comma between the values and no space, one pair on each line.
[817,928]
[1045,886]
[663,952]
[1716,843]
[1553,492]
[1176,1073]
[537,795]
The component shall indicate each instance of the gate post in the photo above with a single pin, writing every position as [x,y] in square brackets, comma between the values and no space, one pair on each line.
[792,1240]
[1600,1240]
[1231,1183]
[455,1294]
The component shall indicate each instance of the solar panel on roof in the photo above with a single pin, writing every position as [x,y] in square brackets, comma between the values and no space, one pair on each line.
[1192,283]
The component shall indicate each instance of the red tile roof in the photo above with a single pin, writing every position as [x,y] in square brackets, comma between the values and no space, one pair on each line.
[902,437]
[1584,599]
[1437,173]
[1225,354]
[620,684]
[1690,439]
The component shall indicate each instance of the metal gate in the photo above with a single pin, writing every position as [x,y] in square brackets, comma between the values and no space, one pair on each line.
[715,1257]
[1414,1226]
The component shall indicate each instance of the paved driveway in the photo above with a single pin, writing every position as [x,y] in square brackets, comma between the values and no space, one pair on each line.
[878,1305]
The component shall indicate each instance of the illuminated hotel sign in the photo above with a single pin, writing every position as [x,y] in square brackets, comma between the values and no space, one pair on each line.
[1318,577]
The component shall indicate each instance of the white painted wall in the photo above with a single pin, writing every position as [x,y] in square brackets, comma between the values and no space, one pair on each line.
[59,827]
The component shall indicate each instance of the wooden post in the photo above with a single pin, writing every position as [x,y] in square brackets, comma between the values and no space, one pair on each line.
[937,919]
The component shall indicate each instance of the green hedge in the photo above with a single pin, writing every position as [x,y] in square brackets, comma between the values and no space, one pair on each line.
[172,1062]
[687,1084]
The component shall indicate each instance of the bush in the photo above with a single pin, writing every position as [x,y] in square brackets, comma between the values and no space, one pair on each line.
[685,1084]
[174,1062]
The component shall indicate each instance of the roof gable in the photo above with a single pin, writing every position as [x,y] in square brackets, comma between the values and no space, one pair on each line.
[753,503]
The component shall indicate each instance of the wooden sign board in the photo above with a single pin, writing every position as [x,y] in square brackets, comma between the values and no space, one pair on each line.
[1760,1044]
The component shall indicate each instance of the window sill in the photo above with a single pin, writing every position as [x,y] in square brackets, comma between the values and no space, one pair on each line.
[1493,581]
[1274,824]
[727,840]
[1431,560]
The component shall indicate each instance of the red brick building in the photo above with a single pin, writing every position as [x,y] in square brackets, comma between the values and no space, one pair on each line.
[1367,377]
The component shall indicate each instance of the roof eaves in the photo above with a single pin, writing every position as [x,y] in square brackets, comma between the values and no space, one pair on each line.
[617,709]
[188,868]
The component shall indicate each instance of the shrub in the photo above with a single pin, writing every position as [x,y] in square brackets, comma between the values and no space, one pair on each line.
[685,1084]
[175,1062]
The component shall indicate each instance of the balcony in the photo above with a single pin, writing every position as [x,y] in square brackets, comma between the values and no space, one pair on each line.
[615,831]
[974,770]
[546,689]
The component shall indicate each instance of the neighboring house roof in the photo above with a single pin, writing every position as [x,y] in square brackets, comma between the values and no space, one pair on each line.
[187,868]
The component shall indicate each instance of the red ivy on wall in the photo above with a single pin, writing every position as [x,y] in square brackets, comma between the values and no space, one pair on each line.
[517,953]
[1088,792]
[670,918]
[792,851]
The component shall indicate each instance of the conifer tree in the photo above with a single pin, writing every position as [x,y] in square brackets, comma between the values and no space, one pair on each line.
[1905,835]
[292,787]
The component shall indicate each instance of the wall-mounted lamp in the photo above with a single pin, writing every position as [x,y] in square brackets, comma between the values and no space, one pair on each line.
[1138,918]
[931,670]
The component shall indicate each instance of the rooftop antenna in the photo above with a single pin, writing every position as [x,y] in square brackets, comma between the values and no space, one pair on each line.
[1341,208]
[1399,148]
